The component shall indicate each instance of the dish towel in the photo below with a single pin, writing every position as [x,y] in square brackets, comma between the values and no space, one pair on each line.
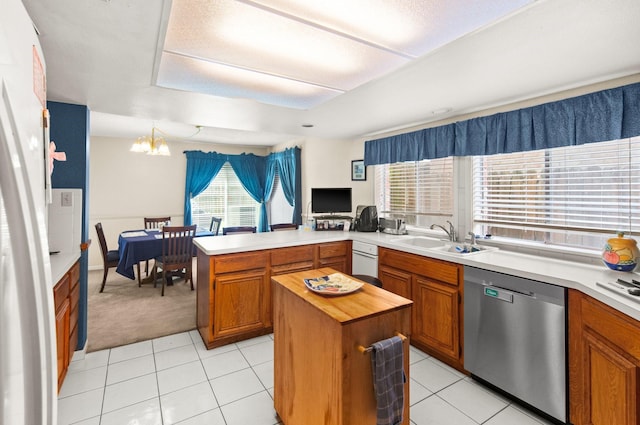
[388,380]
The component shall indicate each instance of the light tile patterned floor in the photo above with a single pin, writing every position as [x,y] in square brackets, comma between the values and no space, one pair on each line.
[175,380]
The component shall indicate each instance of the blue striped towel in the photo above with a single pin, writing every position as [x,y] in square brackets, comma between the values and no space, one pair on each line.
[388,380]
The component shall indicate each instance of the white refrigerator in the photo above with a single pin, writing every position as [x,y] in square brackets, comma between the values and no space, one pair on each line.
[28,367]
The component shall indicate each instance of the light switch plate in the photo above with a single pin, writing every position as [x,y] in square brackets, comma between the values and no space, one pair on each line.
[67,199]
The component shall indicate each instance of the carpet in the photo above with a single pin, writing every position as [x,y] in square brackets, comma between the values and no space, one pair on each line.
[125,313]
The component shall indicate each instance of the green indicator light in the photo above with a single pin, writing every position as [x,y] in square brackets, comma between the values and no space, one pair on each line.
[490,292]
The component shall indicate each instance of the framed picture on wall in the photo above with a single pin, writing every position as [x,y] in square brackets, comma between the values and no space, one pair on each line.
[358,170]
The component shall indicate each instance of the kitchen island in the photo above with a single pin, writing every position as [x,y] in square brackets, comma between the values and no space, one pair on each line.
[322,376]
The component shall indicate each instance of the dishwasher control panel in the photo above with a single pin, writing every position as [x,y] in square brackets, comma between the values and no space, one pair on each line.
[364,247]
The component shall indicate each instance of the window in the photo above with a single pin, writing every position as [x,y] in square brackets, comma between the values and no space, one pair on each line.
[279,209]
[415,190]
[226,198]
[575,196]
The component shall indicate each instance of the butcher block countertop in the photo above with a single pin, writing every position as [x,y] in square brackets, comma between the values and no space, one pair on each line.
[367,301]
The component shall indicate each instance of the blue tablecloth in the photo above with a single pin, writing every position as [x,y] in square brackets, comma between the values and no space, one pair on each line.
[147,245]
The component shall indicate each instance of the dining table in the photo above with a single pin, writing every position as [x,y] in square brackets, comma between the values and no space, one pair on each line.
[135,246]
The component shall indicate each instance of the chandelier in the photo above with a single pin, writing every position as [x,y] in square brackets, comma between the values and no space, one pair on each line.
[151,145]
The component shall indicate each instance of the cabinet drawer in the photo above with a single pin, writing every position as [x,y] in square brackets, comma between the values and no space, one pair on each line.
[443,271]
[240,262]
[291,268]
[61,291]
[291,255]
[74,274]
[328,250]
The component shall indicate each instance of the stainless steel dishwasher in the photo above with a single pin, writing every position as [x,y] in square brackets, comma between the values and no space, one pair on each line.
[515,338]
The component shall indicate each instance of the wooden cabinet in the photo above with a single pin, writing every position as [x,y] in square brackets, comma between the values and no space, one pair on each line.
[604,364]
[336,255]
[66,294]
[62,340]
[436,324]
[293,259]
[396,281]
[320,376]
[435,286]
[74,301]
[241,303]
[235,301]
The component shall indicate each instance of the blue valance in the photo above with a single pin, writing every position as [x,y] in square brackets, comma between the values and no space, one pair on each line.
[596,117]
[256,174]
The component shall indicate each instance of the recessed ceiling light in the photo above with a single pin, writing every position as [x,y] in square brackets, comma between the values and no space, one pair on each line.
[307,125]
[441,111]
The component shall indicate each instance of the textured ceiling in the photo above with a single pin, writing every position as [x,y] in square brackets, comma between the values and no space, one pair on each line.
[299,54]
[110,54]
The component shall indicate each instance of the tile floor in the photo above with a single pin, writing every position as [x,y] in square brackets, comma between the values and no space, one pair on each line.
[175,380]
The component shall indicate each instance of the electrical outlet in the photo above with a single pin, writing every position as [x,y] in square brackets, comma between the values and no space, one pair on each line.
[67,199]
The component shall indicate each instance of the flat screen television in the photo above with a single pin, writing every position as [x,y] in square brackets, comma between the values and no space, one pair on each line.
[330,200]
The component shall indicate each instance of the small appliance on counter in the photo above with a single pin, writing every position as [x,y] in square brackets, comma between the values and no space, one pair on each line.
[366,219]
[394,226]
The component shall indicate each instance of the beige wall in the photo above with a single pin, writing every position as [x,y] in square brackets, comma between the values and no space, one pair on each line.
[125,187]
[327,163]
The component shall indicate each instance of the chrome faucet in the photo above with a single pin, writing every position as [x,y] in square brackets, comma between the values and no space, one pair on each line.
[451,232]
[473,238]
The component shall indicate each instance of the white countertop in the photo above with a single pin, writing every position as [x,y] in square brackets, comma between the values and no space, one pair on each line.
[61,263]
[582,277]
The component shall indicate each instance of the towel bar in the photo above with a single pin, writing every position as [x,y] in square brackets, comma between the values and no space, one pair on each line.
[368,349]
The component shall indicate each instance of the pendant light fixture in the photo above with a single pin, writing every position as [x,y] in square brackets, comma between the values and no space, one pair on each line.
[152,145]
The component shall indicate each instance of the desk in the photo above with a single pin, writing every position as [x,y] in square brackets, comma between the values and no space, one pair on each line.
[141,245]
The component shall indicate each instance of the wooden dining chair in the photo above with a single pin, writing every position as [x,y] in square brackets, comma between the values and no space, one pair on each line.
[214,227]
[109,258]
[156,222]
[152,223]
[238,229]
[177,253]
[283,226]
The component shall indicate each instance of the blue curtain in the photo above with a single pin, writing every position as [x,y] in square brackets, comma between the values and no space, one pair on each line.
[201,169]
[288,162]
[606,115]
[251,171]
[271,167]
[256,174]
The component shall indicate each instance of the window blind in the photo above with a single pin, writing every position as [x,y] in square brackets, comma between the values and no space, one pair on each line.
[576,195]
[414,189]
[226,198]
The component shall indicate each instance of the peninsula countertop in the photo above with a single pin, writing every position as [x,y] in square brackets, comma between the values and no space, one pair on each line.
[569,274]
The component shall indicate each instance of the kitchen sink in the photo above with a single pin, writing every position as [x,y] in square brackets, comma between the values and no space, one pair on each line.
[464,250]
[422,242]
